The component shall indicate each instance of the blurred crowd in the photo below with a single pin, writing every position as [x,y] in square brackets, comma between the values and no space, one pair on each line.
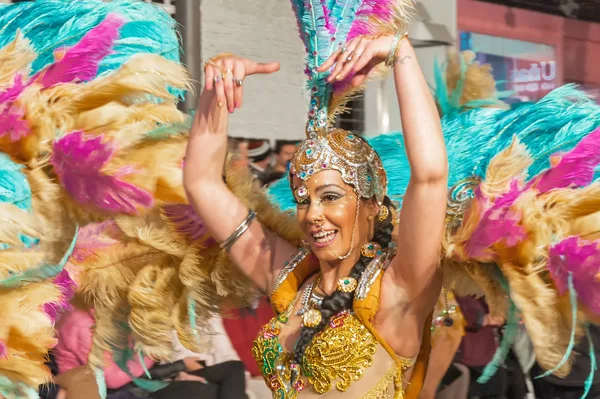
[268,163]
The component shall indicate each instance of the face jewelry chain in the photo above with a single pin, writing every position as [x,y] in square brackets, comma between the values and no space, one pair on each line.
[353,234]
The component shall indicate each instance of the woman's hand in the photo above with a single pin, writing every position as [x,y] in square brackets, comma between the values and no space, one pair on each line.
[183,376]
[359,56]
[225,75]
[192,364]
[223,89]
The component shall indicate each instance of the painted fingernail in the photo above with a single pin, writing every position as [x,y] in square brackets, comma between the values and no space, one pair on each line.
[338,77]
[220,104]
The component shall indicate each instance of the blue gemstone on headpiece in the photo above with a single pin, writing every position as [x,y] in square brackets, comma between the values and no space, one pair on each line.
[302,175]
[350,137]
[309,151]
[369,178]
[311,171]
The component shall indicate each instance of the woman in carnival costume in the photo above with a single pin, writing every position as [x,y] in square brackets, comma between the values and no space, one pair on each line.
[109,149]
[79,84]
[353,318]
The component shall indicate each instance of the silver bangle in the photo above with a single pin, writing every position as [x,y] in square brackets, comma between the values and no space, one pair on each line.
[390,61]
[228,243]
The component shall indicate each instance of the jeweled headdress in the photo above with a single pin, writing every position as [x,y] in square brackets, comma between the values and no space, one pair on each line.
[325,26]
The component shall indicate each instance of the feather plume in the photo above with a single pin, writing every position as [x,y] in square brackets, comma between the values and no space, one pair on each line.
[154,293]
[15,59]
[16,223]
[151,230]
[143,75]
[364,17]
[325,25]
[78,162]
[81,62]
[465,84]
[575,168]
[581,259]
[53,24]
[184,221]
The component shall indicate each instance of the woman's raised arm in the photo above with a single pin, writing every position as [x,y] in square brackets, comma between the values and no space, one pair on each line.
[424,206]
[423,213]
[258,252]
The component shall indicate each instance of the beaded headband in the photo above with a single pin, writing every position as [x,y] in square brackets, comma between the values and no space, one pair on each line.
[345,152]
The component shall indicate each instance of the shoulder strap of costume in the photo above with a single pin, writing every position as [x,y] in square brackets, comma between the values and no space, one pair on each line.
[366,305]
[291,277]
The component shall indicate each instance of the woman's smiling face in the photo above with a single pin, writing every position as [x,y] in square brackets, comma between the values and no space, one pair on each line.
[327,212]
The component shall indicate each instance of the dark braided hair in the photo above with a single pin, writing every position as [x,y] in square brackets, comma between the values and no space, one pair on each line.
[340,301]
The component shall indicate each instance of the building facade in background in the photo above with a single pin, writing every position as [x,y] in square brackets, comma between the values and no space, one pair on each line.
[534,46]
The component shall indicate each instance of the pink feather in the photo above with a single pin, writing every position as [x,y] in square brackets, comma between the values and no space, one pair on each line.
[67,286]
[582,259]
[185,220]
[81,62]
[93,238]
[379,9]
[78,162]
[12,123]
[575,168]
[14,91]
[498,223]
[326,12]
[3,353]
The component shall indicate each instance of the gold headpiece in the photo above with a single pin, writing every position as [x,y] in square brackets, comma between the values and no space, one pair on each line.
[325,27]
[345,152]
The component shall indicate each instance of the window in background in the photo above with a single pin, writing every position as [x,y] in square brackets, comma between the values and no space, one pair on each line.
[526,69]
[353,120]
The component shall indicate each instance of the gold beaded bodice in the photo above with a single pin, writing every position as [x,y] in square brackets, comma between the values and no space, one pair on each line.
[337,357]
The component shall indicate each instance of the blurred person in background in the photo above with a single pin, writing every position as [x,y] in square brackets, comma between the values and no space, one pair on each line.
[284,151]
[260,156]
[220,372]
[71,354]
[238,148]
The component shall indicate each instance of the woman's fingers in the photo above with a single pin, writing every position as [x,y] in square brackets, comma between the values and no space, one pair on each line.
[239,74]
[253,68]
[330,61]
[352,60]
[345,57]
[218,85]
[228,64]
[209,75]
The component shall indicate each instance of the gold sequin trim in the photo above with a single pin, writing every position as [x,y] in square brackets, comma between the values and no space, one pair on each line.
[341,352]
[386,387]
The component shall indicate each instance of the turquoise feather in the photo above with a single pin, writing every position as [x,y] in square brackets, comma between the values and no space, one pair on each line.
[10,389]
[510,334]
[473,137]
[40,273]
[150,29]
[15,190]
[100,382]
[14,187]
[593,365]
[567,355]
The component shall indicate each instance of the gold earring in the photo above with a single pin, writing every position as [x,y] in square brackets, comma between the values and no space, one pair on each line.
[370,218]
[384,212]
